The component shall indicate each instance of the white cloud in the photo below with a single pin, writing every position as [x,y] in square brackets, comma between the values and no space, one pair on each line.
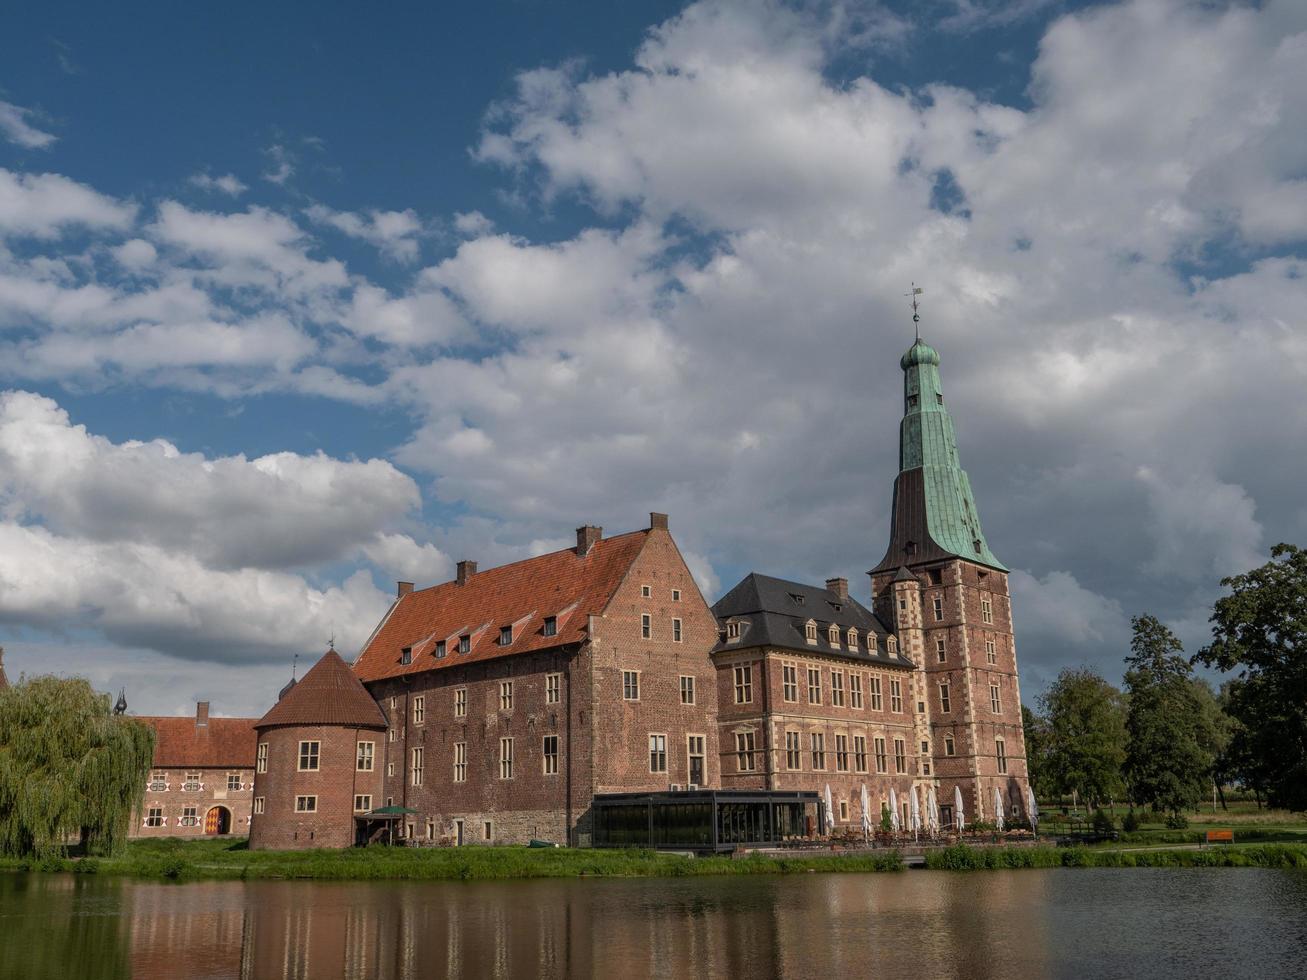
[394,233]
[228,184]
[15,128]
[401,556]
[47,205]
[135,253]
[282,162]
[473,224]
[1057,606]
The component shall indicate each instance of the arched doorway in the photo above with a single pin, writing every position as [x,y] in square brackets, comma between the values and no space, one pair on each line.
[217,821]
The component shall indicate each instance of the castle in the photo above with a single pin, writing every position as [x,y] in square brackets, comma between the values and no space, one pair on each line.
[587,695]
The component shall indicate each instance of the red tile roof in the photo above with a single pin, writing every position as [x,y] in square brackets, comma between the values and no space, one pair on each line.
[563,584]
[222,743]
[329,694]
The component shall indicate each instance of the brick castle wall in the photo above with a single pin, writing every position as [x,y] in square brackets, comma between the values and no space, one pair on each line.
[173,802]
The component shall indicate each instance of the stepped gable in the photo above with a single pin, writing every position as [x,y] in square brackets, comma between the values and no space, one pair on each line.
[222,743]
[329,694]
[567,585]
[774,612]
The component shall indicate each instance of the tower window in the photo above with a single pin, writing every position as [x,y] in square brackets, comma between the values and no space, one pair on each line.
[912,401]
[939,399]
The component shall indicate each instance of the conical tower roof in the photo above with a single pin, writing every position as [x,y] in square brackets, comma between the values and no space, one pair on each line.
[329,694]
[935,514]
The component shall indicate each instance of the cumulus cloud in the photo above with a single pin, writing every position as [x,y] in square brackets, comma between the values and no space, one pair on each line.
[14,126]
[228,184]
[394,233]
[46,205]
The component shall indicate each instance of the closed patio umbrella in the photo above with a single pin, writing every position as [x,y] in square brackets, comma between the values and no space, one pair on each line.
[866,813]
[1034,809]
[959,818]
[916,813]
[893,811]
[932,811]
[830,811]
[998,808]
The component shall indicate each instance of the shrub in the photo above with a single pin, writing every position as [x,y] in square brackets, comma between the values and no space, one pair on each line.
[1103,822]
[1177,821]
[86,866]
[1130,822]
[174,868]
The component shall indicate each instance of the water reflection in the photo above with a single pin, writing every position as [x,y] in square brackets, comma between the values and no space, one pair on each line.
[1087,923]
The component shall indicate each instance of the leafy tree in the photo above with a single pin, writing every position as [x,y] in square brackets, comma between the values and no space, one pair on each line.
[1168,755]
[1260,630]
[1036,734]
[1085,737]
[1215,733]
[68,768]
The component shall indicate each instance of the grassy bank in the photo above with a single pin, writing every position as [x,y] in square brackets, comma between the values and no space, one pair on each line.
[196,860]
[963,858]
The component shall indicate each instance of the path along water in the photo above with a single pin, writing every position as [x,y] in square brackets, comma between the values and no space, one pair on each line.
[1073,923]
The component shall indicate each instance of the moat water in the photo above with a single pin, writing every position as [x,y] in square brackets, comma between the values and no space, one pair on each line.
[1084,923]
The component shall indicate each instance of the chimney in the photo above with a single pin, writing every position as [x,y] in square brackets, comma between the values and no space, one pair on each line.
[840,586]
[403,588]
[201,714]
[466,569]
[657,520]
[586,538]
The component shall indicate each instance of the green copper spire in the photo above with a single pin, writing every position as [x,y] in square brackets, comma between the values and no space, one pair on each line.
[927,443]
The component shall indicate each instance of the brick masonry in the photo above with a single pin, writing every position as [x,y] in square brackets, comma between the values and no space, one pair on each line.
[170,802]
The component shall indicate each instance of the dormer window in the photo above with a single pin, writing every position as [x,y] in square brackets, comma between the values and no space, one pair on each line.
[833,635]
[440,649]
[732,631]
[505,635]
[406,655]
[465,643]
[796,598]
[910,548]
[853,638]
[551,626]
[892,646]
[810,631]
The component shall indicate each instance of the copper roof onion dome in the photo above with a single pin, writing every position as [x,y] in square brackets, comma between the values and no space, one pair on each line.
[919,353]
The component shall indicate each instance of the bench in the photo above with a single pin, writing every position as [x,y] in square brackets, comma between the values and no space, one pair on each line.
[1220,837]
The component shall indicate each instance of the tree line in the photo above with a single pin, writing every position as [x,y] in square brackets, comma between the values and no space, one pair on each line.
[1168,739]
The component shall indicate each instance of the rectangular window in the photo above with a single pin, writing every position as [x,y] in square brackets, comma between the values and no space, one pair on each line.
[855,691]
[687,689]
[440,649]
[657,753]
[415,768]
[793,751]
[900,756]
[860,753]
[844,810]
[646,591]
[991,655]
[553,687]
[159,780]
[837,688]
[939,608]
[258,804]
[505,758]
[790,682]
[488,830]
[391,733]
[630,685]
[505,695]
[550,755]
[697,756]
[882,760]
[986,611]
[419,710]
[154,816]
[1000,750]
[744,751]
[948,745]
[940,653]
[233,782]
[191,816]
[465,643]
[309,756]
[505,636]
[551,626]
[460,762]
[896,696]
[676,631]
[944,704]
[646,625]
[842,753]
[744,685]
[192,784]
[460,702]
[814,685]
[995,701]
[877,702]
[817,743]
[390,772]
[362,803]
[306,804]
[676,595]
[406,655]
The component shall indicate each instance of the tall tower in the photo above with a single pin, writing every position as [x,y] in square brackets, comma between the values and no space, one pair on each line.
[967,682]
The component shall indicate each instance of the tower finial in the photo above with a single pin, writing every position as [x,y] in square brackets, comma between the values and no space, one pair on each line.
[294,665]
[916,317]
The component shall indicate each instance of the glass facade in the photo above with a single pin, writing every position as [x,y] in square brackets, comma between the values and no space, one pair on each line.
[705,820]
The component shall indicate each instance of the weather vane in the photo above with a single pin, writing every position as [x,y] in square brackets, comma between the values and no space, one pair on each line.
[331,644]
[916,317]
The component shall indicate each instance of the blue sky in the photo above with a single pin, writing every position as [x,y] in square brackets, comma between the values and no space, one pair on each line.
[296,301]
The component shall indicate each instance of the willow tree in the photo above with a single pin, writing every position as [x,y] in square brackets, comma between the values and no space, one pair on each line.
[69,768]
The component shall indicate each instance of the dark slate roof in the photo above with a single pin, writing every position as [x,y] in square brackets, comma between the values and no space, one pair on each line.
[774,612]
[329,694]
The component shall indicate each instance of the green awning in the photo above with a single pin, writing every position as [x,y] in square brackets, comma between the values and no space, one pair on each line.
[391,811]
